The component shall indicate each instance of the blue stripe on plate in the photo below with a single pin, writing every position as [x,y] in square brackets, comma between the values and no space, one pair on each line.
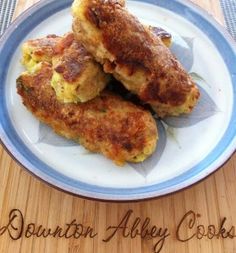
[229,9]
[13,142]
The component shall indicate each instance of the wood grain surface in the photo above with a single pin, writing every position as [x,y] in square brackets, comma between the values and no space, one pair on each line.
[214,198]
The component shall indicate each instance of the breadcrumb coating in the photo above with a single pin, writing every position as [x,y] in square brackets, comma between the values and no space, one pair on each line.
[106,124]
[134,55]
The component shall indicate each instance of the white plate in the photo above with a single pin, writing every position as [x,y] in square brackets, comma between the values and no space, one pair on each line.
[189,149]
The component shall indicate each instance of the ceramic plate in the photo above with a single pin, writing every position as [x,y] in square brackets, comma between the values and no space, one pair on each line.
[189,148]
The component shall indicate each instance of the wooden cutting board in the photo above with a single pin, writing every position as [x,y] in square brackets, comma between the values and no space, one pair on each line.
[199,219]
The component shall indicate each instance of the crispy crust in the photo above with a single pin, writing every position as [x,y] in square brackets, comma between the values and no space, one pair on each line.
[43,48]
[107,124]
[73,61]
[135,56]
[77,77]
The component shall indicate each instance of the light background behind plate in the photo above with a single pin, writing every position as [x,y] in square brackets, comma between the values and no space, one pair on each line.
[214,198]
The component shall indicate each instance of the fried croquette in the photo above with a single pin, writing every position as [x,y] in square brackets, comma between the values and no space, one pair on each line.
[39,50]
[134,55]
[107,124]
[76,76]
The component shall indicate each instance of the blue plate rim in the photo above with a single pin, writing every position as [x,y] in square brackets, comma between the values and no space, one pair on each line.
[60,181]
